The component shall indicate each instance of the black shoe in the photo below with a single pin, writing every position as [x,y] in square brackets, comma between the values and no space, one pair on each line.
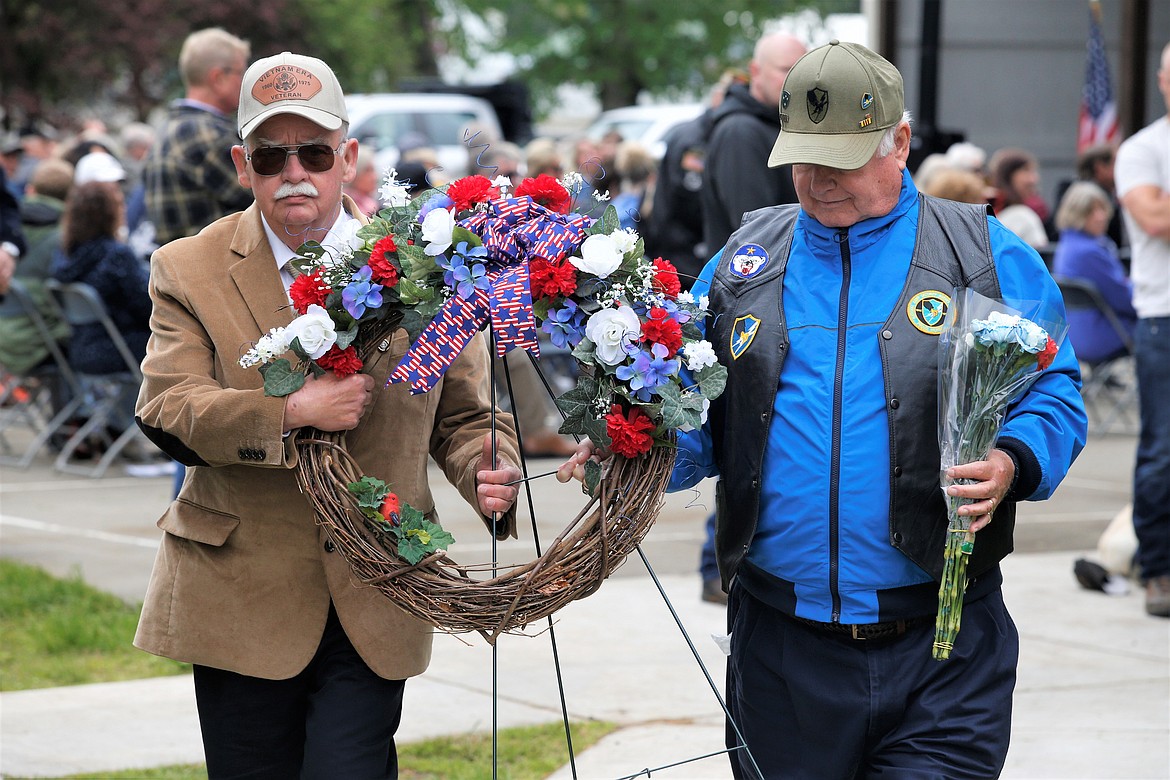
[713,592]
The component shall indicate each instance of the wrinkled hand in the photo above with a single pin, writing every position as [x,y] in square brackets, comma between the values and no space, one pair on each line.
[574,467]
[490,490]
[329,402]
[993,478]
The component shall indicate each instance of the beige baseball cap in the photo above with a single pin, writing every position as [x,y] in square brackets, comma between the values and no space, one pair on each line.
[290,84]
[837,101]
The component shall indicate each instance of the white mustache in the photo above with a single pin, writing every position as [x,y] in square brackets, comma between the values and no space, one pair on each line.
[287,190]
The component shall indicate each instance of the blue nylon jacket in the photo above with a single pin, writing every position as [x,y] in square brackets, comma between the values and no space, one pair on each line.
[791,542]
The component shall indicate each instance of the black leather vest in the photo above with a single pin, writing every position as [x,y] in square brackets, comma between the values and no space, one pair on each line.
[952,249]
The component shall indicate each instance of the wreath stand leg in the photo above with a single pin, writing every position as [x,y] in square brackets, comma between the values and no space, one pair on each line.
[742,743]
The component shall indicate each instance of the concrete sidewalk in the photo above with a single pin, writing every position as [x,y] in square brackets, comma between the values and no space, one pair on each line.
[1093,699]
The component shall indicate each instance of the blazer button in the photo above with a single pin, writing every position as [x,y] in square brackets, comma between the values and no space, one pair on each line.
[328,545]
[244,453]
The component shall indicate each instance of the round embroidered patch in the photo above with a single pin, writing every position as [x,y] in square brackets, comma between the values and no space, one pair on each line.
[748,260]
[927,310]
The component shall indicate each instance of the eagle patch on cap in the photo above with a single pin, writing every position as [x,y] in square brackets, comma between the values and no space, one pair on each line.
[285,82]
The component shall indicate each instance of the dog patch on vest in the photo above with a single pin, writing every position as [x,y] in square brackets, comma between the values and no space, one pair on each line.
[748,260]
[742,333]
[928,310]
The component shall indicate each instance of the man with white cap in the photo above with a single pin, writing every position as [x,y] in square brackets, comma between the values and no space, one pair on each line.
[831,516]
[299,671]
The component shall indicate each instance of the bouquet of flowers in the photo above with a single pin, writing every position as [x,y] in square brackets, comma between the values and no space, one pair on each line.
[472,256]
[989,354]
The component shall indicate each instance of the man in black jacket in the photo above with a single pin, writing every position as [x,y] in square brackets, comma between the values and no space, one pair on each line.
[744,128]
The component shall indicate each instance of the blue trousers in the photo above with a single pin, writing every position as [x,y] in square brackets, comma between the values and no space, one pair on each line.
[1151,475]
[336,719]
[815,705]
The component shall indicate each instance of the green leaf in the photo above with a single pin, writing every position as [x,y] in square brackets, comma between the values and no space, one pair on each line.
[712,380]
[280,379]
[369,492]
[298,350]
[417,536]
[461,233]
[592,480]
[346,337]
[577,405]
[672,411]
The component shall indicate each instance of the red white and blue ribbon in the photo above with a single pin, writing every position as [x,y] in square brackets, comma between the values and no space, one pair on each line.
[513,231]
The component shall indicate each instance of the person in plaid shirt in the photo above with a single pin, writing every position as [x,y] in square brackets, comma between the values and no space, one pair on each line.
[190,178]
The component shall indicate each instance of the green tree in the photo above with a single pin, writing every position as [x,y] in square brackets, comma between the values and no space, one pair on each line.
[623,47]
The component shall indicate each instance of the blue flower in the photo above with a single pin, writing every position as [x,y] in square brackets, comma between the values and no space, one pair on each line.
[438,201]
[361,293]
[565,326]
[649,371]
[466,279]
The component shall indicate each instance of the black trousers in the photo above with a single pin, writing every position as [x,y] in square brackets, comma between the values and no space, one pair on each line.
[812,705]
[336,719]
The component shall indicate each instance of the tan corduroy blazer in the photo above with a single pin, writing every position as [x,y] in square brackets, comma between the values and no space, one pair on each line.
[243,578]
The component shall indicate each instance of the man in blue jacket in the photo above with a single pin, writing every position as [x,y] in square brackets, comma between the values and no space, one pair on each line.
[831,516]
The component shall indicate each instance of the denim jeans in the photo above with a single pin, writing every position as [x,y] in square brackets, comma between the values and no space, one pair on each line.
[1151,476]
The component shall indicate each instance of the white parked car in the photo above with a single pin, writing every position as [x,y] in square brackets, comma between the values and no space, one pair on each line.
[647,125]
[383,120]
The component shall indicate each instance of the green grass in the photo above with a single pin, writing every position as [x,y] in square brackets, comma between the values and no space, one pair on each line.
[63,632]
[526,753]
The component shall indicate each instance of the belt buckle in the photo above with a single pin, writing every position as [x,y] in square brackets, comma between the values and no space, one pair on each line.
[856,635]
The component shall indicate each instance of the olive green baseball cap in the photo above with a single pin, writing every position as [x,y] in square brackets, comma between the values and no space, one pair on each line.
[837,101]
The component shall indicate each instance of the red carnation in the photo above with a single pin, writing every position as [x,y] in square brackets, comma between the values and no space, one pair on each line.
[546,191]
[548,280]
[666,278]
[309,289]
[630,433]
[341,361]
[1045,357]
[469,191]
[662,329]
[382,270]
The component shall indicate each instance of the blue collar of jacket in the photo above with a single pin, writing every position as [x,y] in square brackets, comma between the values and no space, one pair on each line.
[867,230]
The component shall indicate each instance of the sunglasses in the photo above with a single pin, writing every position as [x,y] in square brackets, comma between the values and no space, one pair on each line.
[270,160]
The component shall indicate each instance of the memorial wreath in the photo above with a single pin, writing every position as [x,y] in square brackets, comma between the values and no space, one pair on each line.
[444,266]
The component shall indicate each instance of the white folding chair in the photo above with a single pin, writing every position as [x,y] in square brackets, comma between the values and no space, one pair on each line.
[81,305]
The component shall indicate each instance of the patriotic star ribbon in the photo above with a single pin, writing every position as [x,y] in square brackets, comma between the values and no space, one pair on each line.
[514,231]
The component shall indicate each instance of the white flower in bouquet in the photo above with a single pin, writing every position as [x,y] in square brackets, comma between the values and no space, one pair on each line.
[393,193]
[315,330]
[271,345]
[626,239]
[437,227]
[611,330]
[699,355]
[341,242]
[600,256]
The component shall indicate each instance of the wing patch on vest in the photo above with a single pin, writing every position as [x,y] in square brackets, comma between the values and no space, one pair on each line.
[927,310]
[748,260]
[742,333]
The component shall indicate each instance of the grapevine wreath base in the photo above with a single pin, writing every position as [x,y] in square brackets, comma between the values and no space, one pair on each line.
[462,598]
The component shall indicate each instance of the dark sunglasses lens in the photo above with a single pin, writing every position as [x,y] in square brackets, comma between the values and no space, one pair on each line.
[317,158]
[270,160]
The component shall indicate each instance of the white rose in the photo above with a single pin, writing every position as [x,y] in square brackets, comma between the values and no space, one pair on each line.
[315,330]
[600,256]
[611,330]
[436,231]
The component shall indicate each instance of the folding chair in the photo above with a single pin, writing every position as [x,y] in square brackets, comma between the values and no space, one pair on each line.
[37,384]
[1109,388]
[80,304]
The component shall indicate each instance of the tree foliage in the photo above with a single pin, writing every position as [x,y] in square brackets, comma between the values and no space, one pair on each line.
[623,47]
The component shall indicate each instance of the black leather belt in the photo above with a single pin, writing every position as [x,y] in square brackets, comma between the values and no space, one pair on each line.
[865,631]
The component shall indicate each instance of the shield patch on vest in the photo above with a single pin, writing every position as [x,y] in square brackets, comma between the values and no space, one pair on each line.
[928,310]
[748,260]
[742,332]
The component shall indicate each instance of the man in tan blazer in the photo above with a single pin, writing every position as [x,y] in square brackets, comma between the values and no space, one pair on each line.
[299,671]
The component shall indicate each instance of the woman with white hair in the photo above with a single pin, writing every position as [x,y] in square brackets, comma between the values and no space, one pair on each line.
[1085,252]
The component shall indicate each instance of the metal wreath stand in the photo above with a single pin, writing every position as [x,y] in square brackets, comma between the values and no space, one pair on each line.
[457,598]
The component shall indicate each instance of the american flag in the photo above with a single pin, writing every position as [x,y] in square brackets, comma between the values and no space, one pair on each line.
[1098,123]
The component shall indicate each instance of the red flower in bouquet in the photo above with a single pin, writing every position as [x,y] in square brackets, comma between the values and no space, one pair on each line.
[342,362]
[382,271]
[662,329]
[548,280]
[666,278]
[546,191]
[1045,357]
[307,290]
[630,433]
[470,191]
